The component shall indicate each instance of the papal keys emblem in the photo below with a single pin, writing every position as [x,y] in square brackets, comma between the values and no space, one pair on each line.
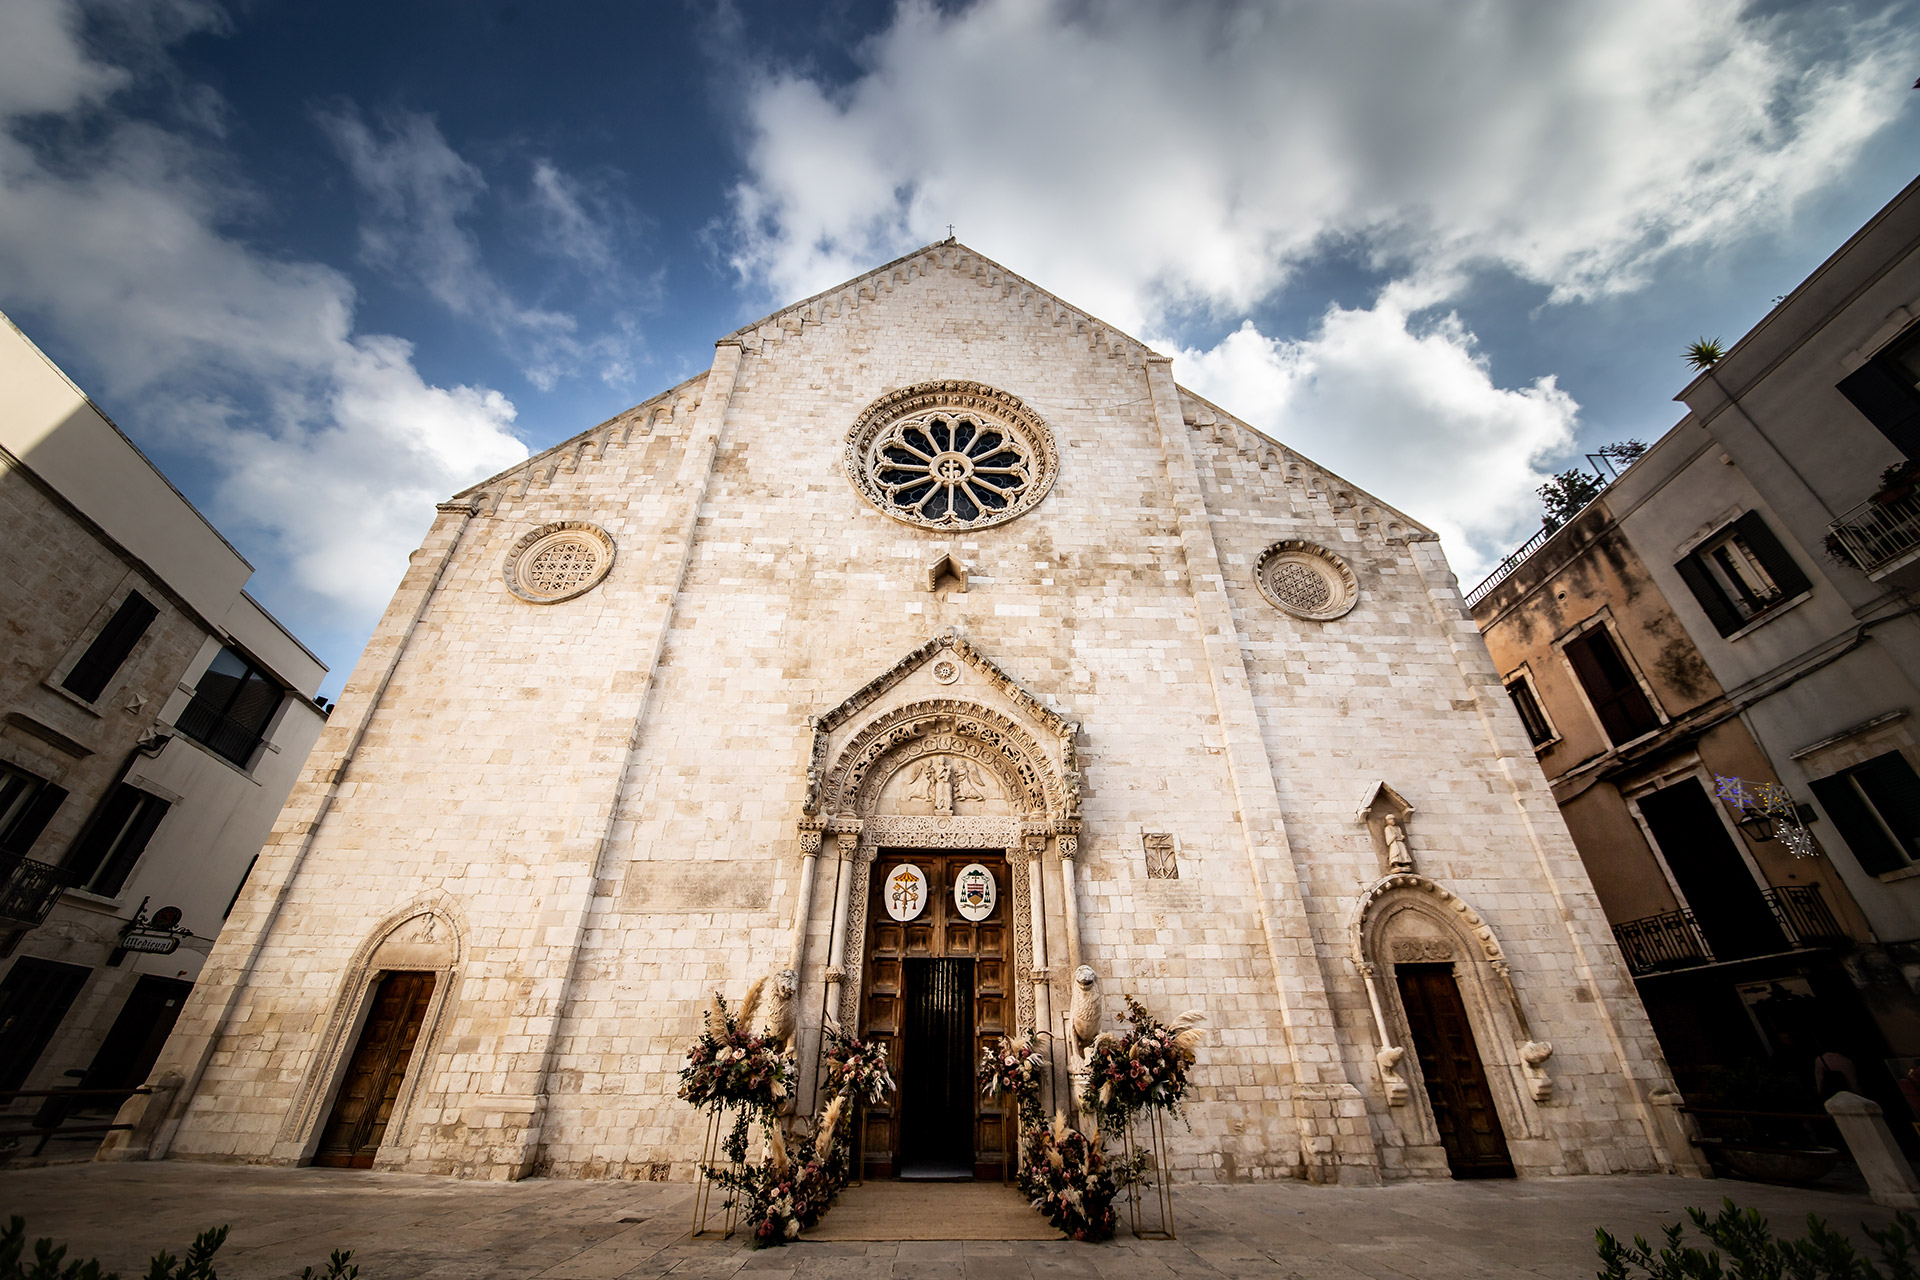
[906,892]
[974,892]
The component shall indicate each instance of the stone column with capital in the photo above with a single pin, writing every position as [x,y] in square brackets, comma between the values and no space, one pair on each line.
[1068,843]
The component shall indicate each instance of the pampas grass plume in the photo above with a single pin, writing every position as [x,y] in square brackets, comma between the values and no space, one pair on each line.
[750,1005]
[716,1014]
[777,1146]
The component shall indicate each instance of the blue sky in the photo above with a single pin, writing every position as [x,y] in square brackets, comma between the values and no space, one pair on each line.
[330,263]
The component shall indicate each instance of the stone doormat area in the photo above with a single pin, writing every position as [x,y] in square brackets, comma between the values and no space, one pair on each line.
[876,1211]
[409,1227]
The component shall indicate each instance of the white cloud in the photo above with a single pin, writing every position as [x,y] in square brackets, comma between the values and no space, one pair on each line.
[418,191]
[1414,417]
[325,443]
[1145,160]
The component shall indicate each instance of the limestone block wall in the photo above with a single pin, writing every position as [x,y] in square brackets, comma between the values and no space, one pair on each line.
[585,815]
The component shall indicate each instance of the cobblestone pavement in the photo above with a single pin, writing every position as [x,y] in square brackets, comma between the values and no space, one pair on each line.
[402,1225]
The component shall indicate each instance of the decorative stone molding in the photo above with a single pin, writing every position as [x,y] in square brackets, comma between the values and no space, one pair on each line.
[1163,861]
[1422,951]
[951,455]
[558,562]
[1306,580]
[1060,791]
[1385,814]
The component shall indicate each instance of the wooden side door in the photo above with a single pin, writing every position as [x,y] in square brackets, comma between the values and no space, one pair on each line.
[1456,1079]
[364,1104]
[939,932]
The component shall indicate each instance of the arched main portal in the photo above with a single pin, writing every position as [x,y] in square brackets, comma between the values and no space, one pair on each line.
[979,777]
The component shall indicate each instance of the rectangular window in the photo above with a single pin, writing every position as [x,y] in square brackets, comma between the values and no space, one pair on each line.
[27,804]
[1887,390]
[1617,698]
[88,679]
[1529,708]
[1876,809]
[103,856]
[231,708]
[1740,573]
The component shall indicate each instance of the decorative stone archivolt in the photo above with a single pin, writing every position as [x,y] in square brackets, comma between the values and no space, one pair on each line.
[951,455]
[1460,923]
[424,936]
[1306,580]
[558,562]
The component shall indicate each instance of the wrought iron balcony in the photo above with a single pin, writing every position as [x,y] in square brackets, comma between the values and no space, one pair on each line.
[28,890]
[1673,940]
[1657,944]
[1878,532]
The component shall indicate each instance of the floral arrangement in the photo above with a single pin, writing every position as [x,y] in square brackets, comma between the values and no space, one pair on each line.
[1014,1066]
[732,1065]
[856,1068]
[795,1185]
[1072,1181]
[1145,1068]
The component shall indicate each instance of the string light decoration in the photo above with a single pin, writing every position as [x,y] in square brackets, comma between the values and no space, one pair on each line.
[1767,812]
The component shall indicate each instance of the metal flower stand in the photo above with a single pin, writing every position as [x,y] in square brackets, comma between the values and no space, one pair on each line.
[717,1130]
[1156,1174]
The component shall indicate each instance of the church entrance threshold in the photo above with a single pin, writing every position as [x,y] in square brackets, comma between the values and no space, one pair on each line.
[936,1088]
[935,993]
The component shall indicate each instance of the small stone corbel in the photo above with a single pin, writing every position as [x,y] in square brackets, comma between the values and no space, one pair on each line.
[1539,1083]
[1388,1060]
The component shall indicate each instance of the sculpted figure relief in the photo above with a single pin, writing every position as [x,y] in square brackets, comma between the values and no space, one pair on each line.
[941,781]
[1399,857]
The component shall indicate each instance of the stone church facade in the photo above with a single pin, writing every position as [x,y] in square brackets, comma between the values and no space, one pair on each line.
[930,570]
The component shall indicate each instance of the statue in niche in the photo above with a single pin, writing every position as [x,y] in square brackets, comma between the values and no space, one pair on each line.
[1399,857]
[942,781]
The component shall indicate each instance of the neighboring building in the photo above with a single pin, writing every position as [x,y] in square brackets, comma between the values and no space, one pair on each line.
[1752,577]
[152,720]
[928,571]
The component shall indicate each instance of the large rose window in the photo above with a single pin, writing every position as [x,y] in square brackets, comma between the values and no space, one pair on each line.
[951,455]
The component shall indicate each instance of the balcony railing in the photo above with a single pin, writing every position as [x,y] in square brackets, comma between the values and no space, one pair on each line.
[218,733]
[1878,531]
[28,890]
[1673,940]
[1803,913]
[1659,943]
[1507,566]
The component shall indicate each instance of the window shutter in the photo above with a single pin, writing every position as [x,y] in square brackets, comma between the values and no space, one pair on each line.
[1893,789]
[1617,698]
[1720,611]
[19,836]
[139,831]
[1888,401]
[1773,557]
[1852,819]
[110,648]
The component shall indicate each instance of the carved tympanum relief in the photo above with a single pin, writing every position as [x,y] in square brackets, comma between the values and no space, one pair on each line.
[1306,580]
[951,455]
[558,562]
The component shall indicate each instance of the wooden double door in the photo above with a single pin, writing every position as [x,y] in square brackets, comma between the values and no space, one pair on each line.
[364,1103]
[1456,1079]
[935,993]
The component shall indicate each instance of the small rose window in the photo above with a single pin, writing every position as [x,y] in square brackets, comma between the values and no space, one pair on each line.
[1306,581]
[558,562]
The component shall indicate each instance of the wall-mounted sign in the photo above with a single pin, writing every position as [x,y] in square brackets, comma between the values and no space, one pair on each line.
[905,892]
[158,944]
[974,891]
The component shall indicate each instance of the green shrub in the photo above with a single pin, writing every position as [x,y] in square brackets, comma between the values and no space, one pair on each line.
[1753,1254]
[46,1262]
